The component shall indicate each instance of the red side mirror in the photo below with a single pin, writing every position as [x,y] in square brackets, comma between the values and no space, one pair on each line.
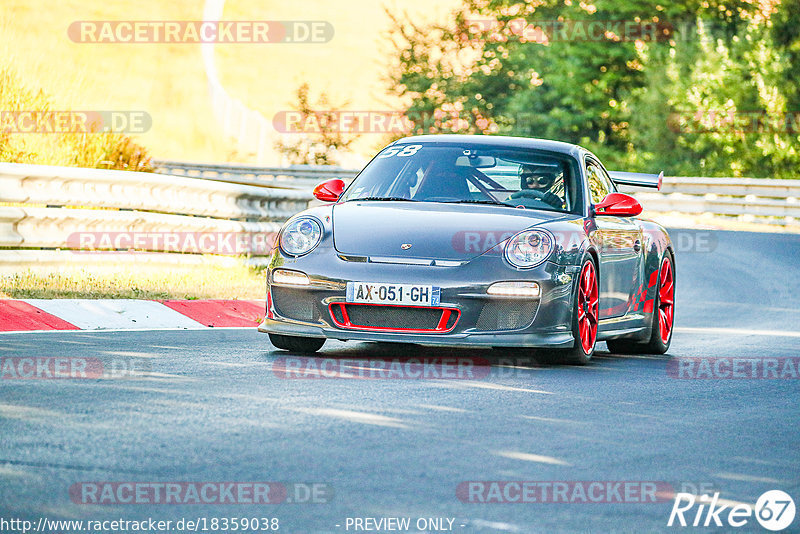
[618,204]
[329,191]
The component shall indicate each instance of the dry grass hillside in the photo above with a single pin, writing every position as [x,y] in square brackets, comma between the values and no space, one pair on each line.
[168,80]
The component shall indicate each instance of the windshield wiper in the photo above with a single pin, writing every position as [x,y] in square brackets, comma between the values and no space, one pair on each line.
[480,201]
[395,199]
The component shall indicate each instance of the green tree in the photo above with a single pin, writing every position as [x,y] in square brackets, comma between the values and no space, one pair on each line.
[785,33]
[569,85]
[727,100]
[616,94]
[324,142]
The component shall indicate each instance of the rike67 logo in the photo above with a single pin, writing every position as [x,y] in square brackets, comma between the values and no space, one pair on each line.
[774,511]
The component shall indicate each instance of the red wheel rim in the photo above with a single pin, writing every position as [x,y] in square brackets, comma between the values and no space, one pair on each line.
[587,307]
[666,306]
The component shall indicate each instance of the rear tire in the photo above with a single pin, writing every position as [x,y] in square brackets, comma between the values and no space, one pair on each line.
[584,316]
[663,317]
[306,345]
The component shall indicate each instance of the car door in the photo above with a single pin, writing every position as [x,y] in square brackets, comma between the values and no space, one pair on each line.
[620,241]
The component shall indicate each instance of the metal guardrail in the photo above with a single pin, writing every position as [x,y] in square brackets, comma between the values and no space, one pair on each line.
[760,187]
[43,207]
[755,200]
[72,186]
[297,177]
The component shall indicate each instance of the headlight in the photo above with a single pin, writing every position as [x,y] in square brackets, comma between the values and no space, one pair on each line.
[301,236]
[529,249]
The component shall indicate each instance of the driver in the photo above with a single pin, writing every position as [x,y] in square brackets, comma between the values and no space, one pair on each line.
[537,182]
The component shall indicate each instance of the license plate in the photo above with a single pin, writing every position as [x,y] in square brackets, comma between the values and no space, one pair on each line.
[398,294]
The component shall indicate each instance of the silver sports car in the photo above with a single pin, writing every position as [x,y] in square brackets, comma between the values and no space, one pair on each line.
[476,240]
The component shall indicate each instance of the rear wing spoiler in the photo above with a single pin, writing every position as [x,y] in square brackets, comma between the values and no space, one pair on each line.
[637,179]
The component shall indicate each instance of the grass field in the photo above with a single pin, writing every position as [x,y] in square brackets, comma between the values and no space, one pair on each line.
[168,80]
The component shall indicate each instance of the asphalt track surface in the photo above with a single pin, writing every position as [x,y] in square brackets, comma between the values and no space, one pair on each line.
[211,408]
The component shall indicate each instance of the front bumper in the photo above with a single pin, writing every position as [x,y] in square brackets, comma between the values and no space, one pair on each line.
[543,322]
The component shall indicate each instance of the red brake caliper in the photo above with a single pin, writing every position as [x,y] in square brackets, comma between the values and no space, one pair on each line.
[666,292]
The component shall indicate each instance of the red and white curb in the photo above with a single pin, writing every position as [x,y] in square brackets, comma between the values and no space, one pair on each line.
[41,315]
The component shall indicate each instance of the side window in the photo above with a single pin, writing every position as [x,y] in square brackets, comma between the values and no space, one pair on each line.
[612,187]
[599,184]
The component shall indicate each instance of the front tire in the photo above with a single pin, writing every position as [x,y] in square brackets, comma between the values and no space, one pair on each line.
[663,316]
[305,345]
[584,316]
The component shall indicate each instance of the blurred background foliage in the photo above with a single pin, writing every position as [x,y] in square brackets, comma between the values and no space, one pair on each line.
[324,147]
[640,104]
[100,150]
[716,93]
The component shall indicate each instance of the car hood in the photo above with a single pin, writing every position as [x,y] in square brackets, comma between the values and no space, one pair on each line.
[434,231]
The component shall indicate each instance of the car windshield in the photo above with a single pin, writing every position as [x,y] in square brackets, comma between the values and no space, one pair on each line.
[468,174]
